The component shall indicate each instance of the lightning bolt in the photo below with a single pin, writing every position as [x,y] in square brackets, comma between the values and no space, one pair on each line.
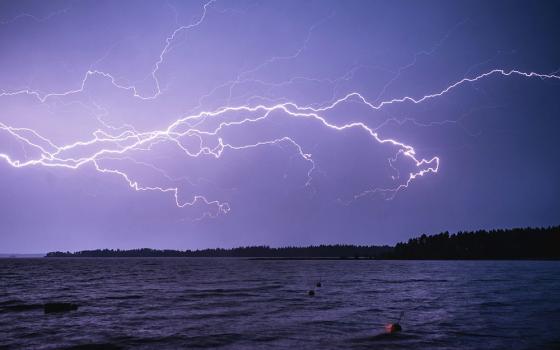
[415,57]
[94,72]
[119,142]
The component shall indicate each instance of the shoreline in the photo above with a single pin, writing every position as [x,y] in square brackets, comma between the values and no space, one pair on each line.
[274,258]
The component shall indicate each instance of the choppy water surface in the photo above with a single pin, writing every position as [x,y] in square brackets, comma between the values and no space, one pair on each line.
[237,303]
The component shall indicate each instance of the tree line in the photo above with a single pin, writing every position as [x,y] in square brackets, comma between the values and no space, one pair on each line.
[517,243]
[319,251]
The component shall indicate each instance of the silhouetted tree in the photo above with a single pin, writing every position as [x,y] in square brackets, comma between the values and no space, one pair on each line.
[517,243]
[321,251]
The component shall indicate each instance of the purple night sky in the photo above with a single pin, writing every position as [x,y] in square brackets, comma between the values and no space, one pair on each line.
[127,124]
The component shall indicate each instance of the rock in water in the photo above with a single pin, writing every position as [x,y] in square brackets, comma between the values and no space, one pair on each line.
[311,293]
[59,307]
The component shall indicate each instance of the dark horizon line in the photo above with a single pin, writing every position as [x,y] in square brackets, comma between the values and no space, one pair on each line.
[517,243]
[217,248]
[527,228]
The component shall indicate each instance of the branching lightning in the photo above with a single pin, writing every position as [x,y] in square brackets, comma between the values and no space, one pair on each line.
[116,143]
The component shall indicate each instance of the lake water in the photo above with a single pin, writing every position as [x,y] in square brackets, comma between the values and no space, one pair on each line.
[169,303]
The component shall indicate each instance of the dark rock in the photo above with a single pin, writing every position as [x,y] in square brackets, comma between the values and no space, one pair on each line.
[319,284]
[59,307]
[311,293]
[20,307]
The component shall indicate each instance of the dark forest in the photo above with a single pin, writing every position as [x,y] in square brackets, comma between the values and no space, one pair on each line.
[518,243]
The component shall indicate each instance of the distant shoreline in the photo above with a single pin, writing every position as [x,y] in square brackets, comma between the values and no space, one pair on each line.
[287,259]
[21,256]
[391,259]
[41,256]
[511,244]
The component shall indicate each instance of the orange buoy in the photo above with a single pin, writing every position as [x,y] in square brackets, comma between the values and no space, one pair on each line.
[393,327]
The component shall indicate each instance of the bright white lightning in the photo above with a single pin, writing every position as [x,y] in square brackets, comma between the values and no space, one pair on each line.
[117,146]
[52,155]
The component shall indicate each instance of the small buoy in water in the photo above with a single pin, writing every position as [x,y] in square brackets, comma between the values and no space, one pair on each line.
[393,327]
[311,292]
[318,284]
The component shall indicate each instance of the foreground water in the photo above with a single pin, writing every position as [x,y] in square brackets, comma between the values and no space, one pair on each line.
[237,303]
